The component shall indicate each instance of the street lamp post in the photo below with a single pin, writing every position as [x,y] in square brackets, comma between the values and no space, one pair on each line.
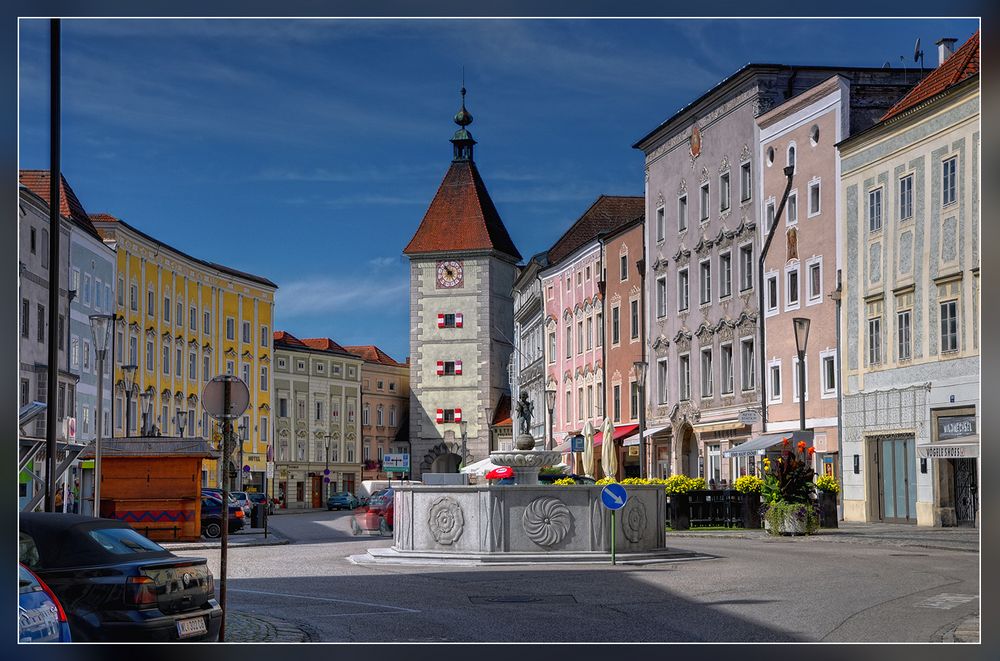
[464,426]
[640,375]
[243,437]
[326,473]
[550,402]
[128,376]
[801,326]
[146,403]
[100,327]
[181,422]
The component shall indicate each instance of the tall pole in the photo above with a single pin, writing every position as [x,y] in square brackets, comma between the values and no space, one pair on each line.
[227,431]
[101,356]
[802,390]
[128,412]
[52,389]
[642,427]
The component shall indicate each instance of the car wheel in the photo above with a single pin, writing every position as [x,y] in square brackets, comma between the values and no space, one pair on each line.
[355,528]
[212,530]
[383,527]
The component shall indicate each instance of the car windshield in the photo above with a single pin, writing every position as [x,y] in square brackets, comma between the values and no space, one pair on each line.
[124,541]
[239,495]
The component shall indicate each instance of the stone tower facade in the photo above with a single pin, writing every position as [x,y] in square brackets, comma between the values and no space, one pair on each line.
[462,270]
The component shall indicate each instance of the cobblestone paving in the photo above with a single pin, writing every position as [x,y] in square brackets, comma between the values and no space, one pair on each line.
[252,628]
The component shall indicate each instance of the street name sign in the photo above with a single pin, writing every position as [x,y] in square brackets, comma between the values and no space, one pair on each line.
[614,496]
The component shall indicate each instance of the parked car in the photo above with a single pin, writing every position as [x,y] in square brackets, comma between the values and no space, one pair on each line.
[382,509]
[341,500]
[41,618]
[211,517]
[217,493]
[115,584]
[261,499]
[244,502]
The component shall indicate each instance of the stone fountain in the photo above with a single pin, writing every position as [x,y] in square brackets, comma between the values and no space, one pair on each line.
[525,459]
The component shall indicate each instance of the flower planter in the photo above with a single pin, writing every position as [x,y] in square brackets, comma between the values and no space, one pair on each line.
[680,512]
[751,510]
[790,521]
[827,509]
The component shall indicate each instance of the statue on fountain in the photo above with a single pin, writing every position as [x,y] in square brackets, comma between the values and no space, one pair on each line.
[524,411]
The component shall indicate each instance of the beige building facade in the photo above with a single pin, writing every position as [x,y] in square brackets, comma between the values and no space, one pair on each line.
[385,407]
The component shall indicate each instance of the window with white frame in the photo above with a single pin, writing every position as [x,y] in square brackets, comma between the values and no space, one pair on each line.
[906,197]
[875,210]
[948,294]
[792,288]
[120,294]
[774,381]
[600,329]
[828,364]
[662,379]
[769,214]
[365,414]
[193,318]
[634,330]
[615,326]
[948,169]
[150,363]
[569,341]
[590,333]
[661,297]
[684,377]
[633,402]
[380,416]
[579,336]
[874,316]
[246,331]
[552,347]
[179,317]
[814,281]
[166,308]
[246,373]
[726,368]
[86,298]
[179,362]
[133,297]
[230,328]
[771,291]
[166,360]
[265,336]
[746,267]
[206,322]
[904,335]
[205,365]
[814,198]
[659,224]
[724,191]
[682,213]
[600,399]
[616,403]
[746,187]
[796,390]
[581,413]
[792,209]
[75,351]
[747,365]
[706,372]
[725,274]
[705,282]
[790,159]
[623,268]
[263,378]
[192,366]
[682,289]
[704,201]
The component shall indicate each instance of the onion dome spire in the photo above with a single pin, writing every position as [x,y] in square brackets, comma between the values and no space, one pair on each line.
[462,140]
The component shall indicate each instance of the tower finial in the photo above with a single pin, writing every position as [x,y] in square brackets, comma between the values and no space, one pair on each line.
[462,140]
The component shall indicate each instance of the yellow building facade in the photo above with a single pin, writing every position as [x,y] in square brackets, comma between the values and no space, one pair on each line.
[181,322]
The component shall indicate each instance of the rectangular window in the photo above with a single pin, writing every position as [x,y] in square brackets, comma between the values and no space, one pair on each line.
[875,210]
[448,367]
[661,297]
[265,336]
[193,318]
[623,268]
[600,329]
[949,326]
[246,331]
[682,289]
[300,406]
[149,355]
[166,307]
[746,267]
[263,429]
[747,365]
[552,347]
[133,350]
[659,224]
[33,241]
[179,363]
[684,375]
[906,197]
[120,294]
[166,360]
[26,319]
[600,399]
[282,407]
[230,368]
[590,401]
[829,374]
[771,282]
[205,368]
[569,341]
[75,352]
[875,333]
[792,209]
[815,283]
[792,288]
[769,215]
[705,279]
[682,213]
[25,391]
[635,320]
[230,328]
[581,414]
[319,412]
[616,403]
[704,202]
[579,278]
[725,274]
[724,191]
[633,400]
[775,392]
[245,369]
[662,377]
[726,369]
[579,336]
[745,182]
[615,326]
[133,297]
[590,332]
[706,372]
[151,303]
[192,366]
[179,317]
[86,289]
[814,206]
[206,322]
[948,180]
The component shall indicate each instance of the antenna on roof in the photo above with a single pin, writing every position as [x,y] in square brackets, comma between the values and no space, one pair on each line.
[917,53]
[887,65]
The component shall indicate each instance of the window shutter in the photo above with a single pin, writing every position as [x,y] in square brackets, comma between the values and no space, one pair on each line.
[458,320]
[458,367]
[440,416]
[441,320]
[458,415]
[440,367]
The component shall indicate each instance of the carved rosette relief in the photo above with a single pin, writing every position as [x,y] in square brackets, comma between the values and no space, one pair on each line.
[445,520]
[546,521]
[634,521]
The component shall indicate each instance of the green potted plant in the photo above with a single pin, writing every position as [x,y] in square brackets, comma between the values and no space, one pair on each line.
[827,488]
[750,487]
[788,492]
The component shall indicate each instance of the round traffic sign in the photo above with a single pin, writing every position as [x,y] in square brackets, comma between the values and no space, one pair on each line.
[326,471]
[213,397]
[614,496]
[246,468]
[326,479]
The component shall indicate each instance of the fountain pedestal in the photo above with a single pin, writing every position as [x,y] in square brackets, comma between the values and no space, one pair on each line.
[526,463]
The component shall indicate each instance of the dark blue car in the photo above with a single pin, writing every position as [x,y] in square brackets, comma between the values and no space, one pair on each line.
[41,618]
[211,517]
[341,500]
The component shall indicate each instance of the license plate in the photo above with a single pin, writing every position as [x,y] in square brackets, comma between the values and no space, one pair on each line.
[191,627]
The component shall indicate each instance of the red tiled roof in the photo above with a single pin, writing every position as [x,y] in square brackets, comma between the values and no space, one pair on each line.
[372,354]
[37,181]
[324,344]
[605,214]
[960,65]
[288,340]
[501,418]
[461,217]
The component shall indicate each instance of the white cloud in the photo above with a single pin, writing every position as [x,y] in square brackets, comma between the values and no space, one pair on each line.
[332,295]
[383,262]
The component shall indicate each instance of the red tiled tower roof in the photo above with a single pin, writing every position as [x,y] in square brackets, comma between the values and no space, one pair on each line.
[960,65]
[606,213]
[37,181]
[372,354]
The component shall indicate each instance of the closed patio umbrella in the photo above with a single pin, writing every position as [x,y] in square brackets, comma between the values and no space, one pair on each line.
[588,449]
[609,458]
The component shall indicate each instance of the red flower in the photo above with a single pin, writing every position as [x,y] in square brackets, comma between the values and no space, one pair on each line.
[802,446]
[812,451]
[784,442]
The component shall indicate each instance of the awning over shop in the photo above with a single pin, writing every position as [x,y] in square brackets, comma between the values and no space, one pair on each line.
[621,432]
[646,434]
[721,425]
[955,448]
[762,444]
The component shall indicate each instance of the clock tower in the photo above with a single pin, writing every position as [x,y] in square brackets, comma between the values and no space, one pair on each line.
[462,269]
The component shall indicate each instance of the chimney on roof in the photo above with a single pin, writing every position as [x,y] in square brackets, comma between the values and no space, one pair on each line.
[946,46]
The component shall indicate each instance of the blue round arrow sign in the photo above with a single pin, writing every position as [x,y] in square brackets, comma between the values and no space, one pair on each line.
[614,496]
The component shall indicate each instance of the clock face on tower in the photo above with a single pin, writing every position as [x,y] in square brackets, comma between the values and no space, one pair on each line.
[449,274]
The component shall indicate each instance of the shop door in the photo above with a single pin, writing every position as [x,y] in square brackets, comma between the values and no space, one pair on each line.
[897,479]
[966,491]
[317,491]
[349,482]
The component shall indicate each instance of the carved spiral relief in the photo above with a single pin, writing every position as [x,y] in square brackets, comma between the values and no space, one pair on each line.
[445,520]
[546,521]
[634,522]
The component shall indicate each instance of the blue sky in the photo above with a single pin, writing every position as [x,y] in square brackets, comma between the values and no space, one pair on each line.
[307,151]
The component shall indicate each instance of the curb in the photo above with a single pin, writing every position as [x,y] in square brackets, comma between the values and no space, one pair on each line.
[966,630]
[251,628]
[273,539]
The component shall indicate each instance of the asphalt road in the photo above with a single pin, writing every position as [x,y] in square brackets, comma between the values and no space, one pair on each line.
[783,589]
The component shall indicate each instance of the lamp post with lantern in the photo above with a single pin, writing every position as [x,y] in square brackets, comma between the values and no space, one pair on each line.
[181,422]
[146,405]
[550,403]
[801,326]
[244,430]
[464,427]
[100,327]
[640,375]
[128,379]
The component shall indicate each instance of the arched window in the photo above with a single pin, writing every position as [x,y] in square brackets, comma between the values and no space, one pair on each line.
[380,415]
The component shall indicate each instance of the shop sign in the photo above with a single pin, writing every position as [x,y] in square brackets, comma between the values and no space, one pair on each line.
[270,470]
[749,416]
[956,426]
[944,451]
